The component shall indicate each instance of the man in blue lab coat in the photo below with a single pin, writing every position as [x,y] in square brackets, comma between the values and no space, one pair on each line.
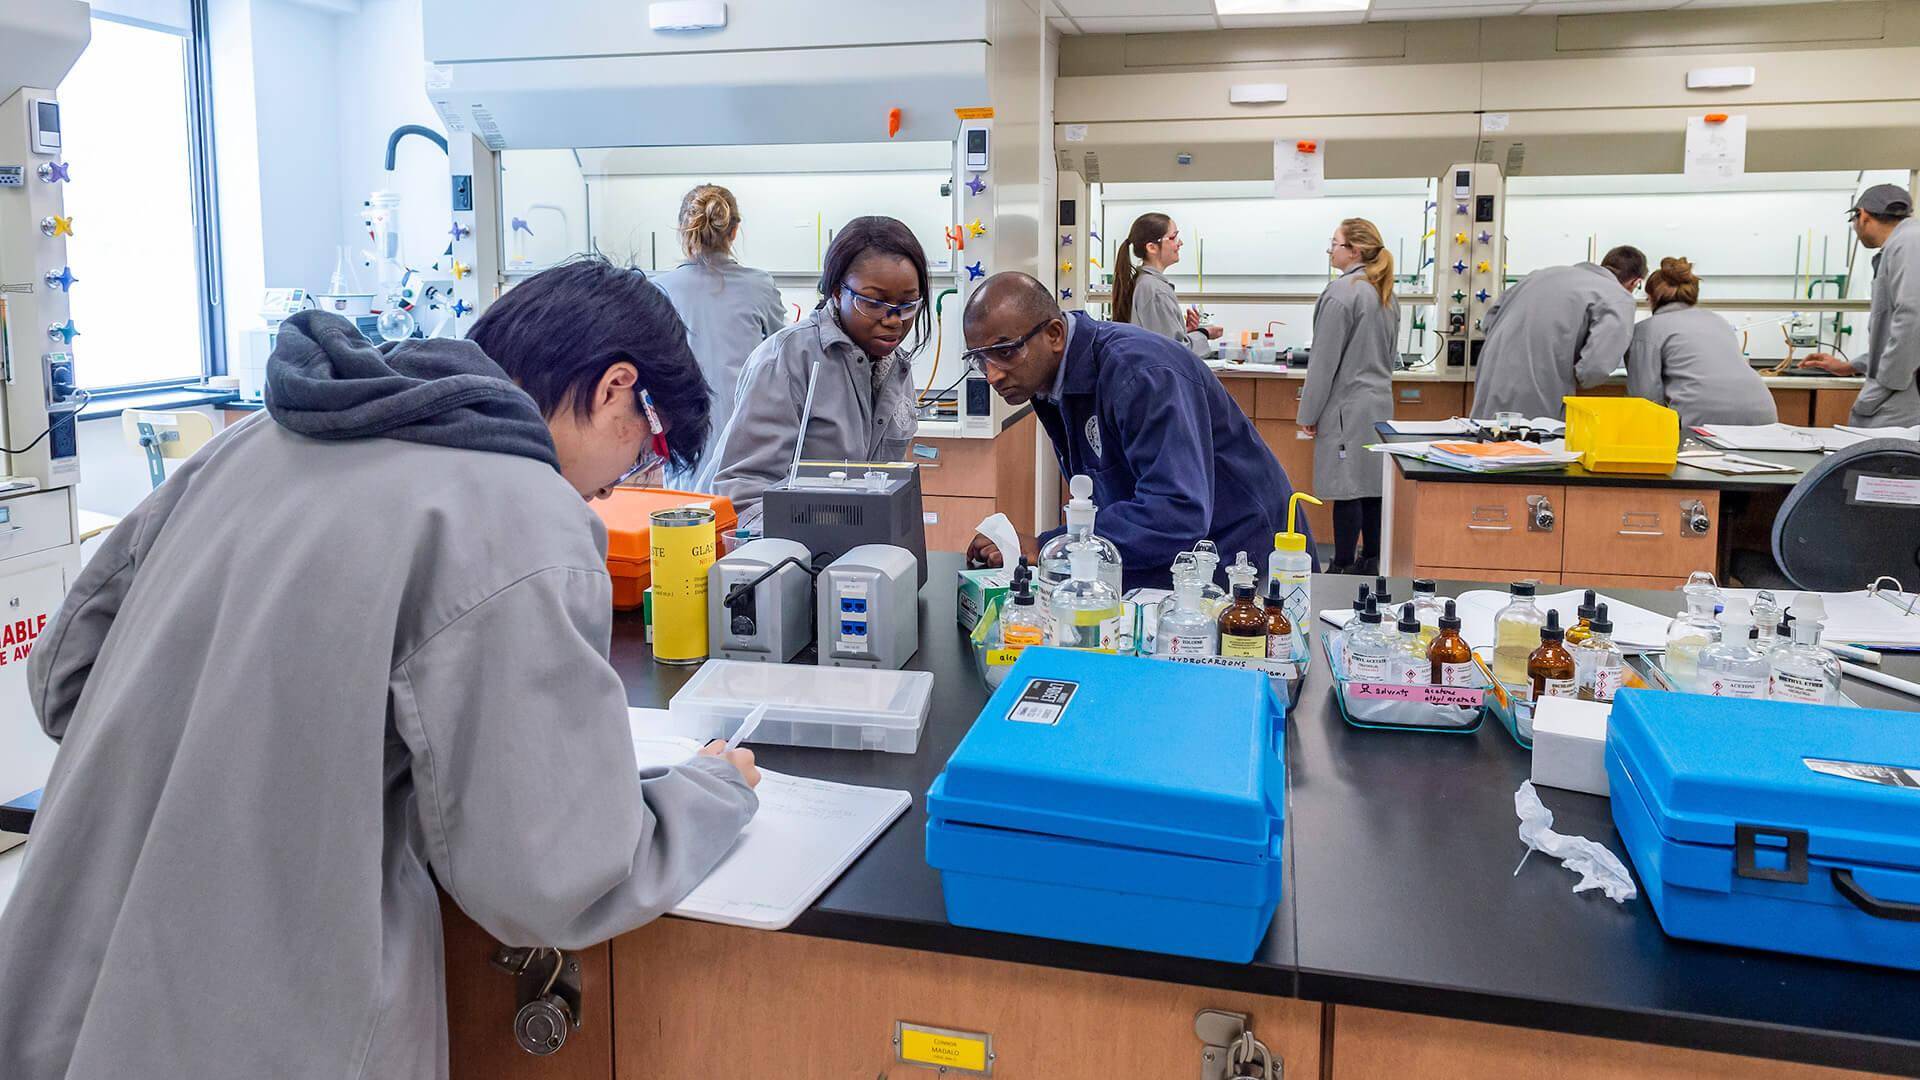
[1173,459]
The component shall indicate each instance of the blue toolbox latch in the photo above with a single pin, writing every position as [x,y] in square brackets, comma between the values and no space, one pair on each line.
[1746,847]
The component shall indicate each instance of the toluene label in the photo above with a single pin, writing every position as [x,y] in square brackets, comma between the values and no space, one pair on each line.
[1043,701]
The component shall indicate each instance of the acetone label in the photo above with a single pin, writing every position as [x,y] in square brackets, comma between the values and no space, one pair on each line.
[1736,686]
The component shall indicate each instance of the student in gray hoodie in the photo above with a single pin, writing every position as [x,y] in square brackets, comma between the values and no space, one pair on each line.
[355,647]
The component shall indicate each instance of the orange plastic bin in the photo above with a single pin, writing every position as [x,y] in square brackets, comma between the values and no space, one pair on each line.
[629,553]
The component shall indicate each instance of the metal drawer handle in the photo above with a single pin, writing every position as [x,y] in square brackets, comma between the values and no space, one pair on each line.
[1631,518]
[1639,532]
[1844,884]
[1491,528]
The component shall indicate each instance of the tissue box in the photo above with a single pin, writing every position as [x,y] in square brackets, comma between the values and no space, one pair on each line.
[978,590]
[1570,744]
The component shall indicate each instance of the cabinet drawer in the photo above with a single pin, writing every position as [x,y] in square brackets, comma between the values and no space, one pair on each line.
[1428,401]
[958,467]
[1832,407]
[1486,526]
[1242,391]
[1632,581]
[1793,406]
[951,520]
[36,522]
[1277,399]
[1639,531]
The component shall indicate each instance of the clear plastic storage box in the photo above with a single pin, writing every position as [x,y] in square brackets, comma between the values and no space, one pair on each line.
[836,708]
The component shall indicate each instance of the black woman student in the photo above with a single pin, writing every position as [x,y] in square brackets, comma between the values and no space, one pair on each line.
[278,735]
[729,309]
[873,295]
[1143,296]
[1173,460]
[1349,389]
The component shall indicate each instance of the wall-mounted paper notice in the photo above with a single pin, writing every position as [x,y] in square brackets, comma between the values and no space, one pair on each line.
[1716,147]
[1299,168]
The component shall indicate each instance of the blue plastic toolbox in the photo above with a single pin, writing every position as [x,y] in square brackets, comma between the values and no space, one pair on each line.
[1117,800]
[1773,825]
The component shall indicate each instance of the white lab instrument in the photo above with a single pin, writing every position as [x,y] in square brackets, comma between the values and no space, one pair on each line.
[760,601]
[837,708]
[869,611]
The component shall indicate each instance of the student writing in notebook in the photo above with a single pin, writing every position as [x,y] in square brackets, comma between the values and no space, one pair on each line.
[354,648]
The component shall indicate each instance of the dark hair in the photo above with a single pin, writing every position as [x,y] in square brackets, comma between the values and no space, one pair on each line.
[880,236]
[1673,282]
[1626,262]
[1023,293]
[1147,229]
[1887,219]
[556,333]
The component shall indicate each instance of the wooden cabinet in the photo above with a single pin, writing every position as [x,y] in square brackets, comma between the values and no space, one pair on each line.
[1277,399]
[1794,406]
[1367,1044]
[697,999]
[1429,400]
[1493,527]
[481,1003]
[1242,390]
[1648,532]
[1831,407]
[965,480]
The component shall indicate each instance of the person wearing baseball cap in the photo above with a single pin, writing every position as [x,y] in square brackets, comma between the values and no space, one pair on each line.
[1882,219]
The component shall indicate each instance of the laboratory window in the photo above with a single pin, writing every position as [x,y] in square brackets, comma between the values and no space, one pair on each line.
[138,250]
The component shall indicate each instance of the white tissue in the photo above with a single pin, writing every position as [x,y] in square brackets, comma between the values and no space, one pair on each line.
[1001,531]
[1597,867]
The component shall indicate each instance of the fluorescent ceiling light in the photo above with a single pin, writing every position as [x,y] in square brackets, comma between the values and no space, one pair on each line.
[1287,7]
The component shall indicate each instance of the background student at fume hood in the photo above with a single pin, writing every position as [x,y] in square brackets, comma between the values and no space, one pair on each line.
[277,736]
[873,294]
[1555,331]
[1143,296]
[1690,360]
[729,309]
[1883,219]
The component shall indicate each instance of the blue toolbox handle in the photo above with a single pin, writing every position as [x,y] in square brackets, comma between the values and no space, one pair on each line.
[1880,909]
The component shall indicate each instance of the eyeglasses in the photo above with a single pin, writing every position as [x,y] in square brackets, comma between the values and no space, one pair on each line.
[1003,354]
[1331,244]
[879,310]
[654,454]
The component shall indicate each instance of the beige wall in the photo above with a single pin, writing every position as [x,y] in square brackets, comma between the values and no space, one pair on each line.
[1837,87]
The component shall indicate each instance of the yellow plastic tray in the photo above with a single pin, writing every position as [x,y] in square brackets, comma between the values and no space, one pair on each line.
[1623,435]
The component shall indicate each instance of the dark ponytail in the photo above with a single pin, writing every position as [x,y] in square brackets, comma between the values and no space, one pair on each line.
[1147,229]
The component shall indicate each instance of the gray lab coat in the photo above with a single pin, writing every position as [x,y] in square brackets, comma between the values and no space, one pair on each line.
[1156,307]
[304,680]
[1890,397]
[1689,360]
[1349,385]
[849,423]
[729,310]
[1552,332]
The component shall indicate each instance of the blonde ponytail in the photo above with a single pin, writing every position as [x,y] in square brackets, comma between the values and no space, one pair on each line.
[1365,240]
[709,218]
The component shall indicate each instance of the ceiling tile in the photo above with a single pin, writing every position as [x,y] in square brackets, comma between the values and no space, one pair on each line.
[1080,9]
[1149,24]
[1312,18]
[1490,11]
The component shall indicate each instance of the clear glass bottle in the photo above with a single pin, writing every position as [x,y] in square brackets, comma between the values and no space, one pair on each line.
[1280,637]
[1583,620]
[1242,572]
[1426,608]
[1023,623]
[1383,594]
[1411,666]
[1732,667]
[1086,610]
[1597,662]
[1450,657]
[1516,633]
[1799,669]
[1243,626]
[1056,555]
[1187,630]
[1766,620]
[1692,630]
[1369,652]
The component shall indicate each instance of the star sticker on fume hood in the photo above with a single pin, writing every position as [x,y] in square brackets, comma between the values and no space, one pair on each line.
[460,270]
[976,185]
[1066,268]
[64,279]
[976,271]
[976,228]
[459,232]
[1066,239]
[1460,266]
[63,333]
[54,172]
[54,226]
[1486,237]
[1482,295]
[1066,294]
[461,307]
